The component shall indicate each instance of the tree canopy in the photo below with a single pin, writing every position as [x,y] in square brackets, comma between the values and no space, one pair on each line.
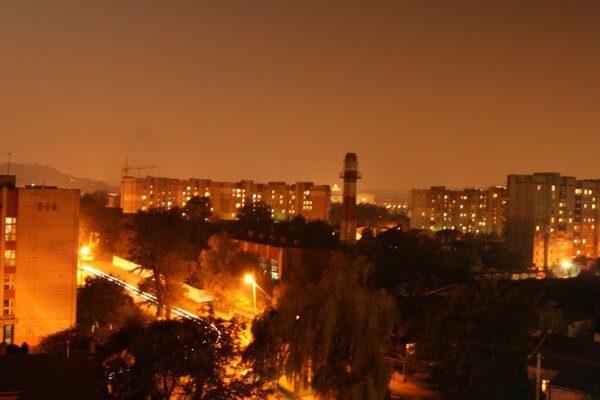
[221,270]
[99,225]
[255,217]
[103,306]
[161,246]
[476,341]
[180,359]
[333,334]
[198,208]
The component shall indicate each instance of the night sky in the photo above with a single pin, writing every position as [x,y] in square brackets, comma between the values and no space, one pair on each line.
[426,93]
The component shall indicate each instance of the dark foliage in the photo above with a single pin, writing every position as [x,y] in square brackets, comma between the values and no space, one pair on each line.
[475,343]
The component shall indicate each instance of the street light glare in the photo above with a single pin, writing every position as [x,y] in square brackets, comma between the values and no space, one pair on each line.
[249,279]
[566,264]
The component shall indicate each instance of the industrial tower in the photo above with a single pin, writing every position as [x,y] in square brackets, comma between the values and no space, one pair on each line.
[348,217]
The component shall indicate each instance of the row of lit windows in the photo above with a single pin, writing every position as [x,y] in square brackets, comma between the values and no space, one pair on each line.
[10,229]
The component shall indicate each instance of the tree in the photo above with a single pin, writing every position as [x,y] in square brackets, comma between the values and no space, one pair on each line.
[103,306]
[99,225]
[222,267]
[161,247]
[333,334]
[58,342]
[198,208]
[308,234]
[255,217]
[477,341]
[178,359]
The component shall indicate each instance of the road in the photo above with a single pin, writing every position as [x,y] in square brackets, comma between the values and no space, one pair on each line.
[124,275]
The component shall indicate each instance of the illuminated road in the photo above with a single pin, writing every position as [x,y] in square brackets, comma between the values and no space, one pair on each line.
[151,298]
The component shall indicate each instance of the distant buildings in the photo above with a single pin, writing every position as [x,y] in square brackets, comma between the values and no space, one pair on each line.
[550,219]
[553,218]
[286,201]
[38,243]
[468,210]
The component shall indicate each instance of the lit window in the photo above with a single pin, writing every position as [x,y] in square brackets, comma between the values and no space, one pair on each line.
[8,333]
[10,229]
[10,258]
[8,307]
[9,281]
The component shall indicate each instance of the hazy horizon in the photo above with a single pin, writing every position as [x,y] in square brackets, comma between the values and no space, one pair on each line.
[426,93]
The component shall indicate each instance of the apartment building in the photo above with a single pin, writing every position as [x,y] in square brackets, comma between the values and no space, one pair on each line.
[38,243]
[286,201]
[475,210]
[552,218]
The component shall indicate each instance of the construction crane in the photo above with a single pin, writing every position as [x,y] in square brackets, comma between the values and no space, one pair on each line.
[8,163]
[128,167]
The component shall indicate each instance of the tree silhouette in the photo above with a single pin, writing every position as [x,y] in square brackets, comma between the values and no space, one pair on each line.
[198,208]
[178,359]
[103,306]
[334,334]
[255,217]
[161,247]
[476,341]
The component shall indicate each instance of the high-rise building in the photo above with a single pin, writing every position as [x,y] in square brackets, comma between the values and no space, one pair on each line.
[476,210]
[38,262]
[227,198]
[552,218]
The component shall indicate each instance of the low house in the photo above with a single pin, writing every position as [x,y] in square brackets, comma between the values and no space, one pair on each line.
[566,368]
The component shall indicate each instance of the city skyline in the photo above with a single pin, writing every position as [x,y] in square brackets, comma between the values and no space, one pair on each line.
[458,94]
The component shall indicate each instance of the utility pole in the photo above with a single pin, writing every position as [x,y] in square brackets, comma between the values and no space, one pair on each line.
[538,383]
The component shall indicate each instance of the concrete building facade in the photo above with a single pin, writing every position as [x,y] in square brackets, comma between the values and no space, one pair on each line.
[552,218]
[39,241]
[475,210]
[286,201]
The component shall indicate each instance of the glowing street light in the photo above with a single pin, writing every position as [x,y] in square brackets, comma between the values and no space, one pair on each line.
[250,279]
[566,264]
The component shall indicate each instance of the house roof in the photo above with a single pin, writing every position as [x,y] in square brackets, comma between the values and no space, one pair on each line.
[568,350]
[583,381]
[577,362]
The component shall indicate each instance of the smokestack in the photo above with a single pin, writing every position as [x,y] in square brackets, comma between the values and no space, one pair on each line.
[348,217]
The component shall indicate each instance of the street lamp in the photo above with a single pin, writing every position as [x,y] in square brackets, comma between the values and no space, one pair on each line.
[250,279]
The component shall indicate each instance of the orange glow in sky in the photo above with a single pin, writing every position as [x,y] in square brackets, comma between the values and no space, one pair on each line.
[426,93]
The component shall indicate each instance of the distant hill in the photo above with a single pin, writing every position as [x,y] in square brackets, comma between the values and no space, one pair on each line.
[45,175]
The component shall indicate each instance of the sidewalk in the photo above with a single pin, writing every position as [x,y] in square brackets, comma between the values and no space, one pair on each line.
[411,390]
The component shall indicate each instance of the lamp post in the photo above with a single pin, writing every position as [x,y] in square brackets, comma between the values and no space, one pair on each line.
[250,279]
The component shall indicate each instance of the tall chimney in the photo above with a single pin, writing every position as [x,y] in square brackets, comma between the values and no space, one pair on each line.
[348,217]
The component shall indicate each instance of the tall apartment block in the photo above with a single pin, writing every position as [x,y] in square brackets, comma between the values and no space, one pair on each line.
[468,210]
[286,201]
[553,218]
[38,243]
